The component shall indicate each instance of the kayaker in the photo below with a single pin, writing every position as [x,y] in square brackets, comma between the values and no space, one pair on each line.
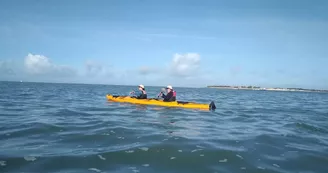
[171,94]
[143,94]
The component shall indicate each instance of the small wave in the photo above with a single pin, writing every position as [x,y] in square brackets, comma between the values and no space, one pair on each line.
[311,128]
[101,157]
[34,128]
[76,126]
[144,148]
[130,151]
[223,160]
[30,158]
[3,163]
[70,113]
[94,169]
[239,156]
[276,165]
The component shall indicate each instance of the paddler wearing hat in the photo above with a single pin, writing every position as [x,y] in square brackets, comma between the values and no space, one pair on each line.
[143,93]
[171,94]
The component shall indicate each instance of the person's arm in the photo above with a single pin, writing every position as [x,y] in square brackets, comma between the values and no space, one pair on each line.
[168,96]
[163,95]
[132,94]
[140,95]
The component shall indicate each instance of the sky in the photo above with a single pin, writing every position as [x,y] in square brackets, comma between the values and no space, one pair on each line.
[272,43]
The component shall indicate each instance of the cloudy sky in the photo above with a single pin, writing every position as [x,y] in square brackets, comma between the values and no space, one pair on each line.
[183,43]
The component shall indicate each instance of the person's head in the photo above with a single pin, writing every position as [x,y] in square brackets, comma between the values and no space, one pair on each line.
[141,87]
[169,88]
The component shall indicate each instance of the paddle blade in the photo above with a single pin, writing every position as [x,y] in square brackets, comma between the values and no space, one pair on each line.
[212,106]
[163,90]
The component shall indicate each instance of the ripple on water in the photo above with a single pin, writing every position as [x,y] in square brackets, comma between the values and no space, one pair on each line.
[72,128]
[3,163]
[101,157]
[30,158]
[94,169]
[130,151]
[239,156]
[144,148]
[223,160]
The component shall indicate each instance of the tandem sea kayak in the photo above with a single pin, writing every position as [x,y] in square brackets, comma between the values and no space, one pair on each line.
[157,102]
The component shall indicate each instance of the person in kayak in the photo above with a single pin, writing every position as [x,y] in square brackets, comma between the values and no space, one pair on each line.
[143,94]
[170,96]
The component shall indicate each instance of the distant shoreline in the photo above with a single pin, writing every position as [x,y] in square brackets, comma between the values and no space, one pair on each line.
[210,86]
[265,89]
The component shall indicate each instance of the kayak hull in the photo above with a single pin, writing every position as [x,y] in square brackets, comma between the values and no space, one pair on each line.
[157,102]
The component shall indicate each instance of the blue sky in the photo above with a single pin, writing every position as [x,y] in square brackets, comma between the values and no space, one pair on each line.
[183,43]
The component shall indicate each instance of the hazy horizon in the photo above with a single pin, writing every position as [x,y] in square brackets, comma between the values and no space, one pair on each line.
[136,85]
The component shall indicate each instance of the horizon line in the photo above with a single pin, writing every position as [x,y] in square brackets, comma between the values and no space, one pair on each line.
[205,86]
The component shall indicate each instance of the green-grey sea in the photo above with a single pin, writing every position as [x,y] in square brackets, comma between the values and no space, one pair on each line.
[66,128]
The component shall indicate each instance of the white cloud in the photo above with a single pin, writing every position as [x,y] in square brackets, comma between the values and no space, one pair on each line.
[185,65]
[182,66]
[41,65]
[35,67]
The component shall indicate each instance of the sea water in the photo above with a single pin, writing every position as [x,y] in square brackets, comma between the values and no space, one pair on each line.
[73,128]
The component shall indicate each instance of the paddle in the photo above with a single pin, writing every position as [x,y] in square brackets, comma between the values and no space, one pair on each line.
[132,92]
[162,91]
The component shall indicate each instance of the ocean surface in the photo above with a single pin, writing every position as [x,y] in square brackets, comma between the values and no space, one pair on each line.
[73,128]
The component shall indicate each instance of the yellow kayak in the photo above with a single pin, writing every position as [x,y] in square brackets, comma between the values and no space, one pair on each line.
[153,101]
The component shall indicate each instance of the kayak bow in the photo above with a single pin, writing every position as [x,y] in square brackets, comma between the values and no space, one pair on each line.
[157,102]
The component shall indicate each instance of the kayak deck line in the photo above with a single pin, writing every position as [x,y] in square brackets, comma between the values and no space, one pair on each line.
[158,102]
